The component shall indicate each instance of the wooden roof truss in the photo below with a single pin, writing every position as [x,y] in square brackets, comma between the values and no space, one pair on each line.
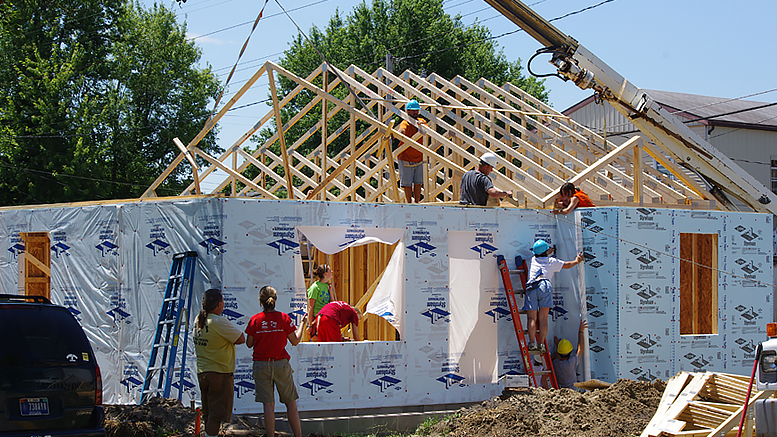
[541,147]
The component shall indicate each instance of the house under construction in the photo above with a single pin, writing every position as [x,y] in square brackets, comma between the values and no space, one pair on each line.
[673,281]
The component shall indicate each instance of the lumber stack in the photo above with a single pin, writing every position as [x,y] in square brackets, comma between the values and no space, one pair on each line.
[704,405]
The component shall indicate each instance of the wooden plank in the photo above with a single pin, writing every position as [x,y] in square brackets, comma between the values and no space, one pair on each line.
[686,283]
[706,278]
[192,162]
[281,134]
[734,419]
[674,387]
[688,394]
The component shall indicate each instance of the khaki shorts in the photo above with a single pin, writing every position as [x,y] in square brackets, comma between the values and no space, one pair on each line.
[274,373]
[218,392]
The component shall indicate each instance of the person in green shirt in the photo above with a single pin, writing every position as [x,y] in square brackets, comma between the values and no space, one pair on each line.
[214,344]
[320,293]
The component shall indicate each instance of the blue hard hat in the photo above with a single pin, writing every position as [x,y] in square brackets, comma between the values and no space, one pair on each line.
[413,105]
[540,247]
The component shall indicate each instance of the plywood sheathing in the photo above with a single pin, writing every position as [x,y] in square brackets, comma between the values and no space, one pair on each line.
[541,148]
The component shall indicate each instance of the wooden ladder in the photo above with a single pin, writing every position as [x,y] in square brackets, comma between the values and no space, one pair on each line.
[515,313]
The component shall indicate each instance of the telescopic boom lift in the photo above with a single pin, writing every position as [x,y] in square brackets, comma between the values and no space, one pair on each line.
[727,180]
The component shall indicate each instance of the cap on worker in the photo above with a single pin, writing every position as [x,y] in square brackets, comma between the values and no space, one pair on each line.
[564,347]
[413,106]
[489,158]
[539,247]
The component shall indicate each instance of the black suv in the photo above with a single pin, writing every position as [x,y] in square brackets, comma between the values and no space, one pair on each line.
[50,383]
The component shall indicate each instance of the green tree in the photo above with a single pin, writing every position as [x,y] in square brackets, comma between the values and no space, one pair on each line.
[94,92]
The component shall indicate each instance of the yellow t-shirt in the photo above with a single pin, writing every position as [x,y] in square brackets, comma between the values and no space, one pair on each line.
[214,345]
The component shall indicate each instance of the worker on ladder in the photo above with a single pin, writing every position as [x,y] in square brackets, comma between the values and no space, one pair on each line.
[539,291]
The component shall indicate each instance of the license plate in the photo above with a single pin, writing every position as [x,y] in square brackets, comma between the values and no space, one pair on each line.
[34,406]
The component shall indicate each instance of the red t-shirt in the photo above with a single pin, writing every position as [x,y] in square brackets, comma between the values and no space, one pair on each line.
[270,331]
[584,200]
[341,312]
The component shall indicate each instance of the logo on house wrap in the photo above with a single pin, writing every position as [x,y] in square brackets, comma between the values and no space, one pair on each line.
[386,382]
[213,245]
[499,309]
[436,315]
[593,347]
[646,213]
[299,307]
[749,316]
[231,307]
[422,248]
[646,293]
[283,245]
[211,230]
[451,379]
[70,301]
[107,238]
[645,257]
[486,244]
[644,342]
[557,313]
[118,309]
[60,249]
[749,268]
[188,382]
[747,346]
[749,235]
[353,235]
[244,379]
[158,242]
[315,385]
[131,378]
[699,362]
[16,249]
[642,375]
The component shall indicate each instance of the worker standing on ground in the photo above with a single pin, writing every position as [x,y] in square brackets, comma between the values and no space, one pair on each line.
[569,198]
[320,293]
[411,170]
[539,291]
[476,186]
[564,363]
[214,344]
[267,333]
[333,317]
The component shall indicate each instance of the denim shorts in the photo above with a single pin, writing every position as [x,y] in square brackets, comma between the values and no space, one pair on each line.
[539,297]
[411,173]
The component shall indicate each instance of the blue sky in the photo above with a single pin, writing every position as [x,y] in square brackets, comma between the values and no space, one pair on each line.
[715,48]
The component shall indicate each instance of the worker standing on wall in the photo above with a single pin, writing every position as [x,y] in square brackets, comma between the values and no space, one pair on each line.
[320,293]
[214,344]
[411,170]
[569,198]
[539,291]
[476,185]
[267,333]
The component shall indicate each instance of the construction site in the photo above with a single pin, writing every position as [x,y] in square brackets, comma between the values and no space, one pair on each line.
[676,288]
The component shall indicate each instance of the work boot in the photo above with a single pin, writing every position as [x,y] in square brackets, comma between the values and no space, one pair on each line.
[533,347]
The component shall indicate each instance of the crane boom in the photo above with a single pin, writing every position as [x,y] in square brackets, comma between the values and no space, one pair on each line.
[574,62]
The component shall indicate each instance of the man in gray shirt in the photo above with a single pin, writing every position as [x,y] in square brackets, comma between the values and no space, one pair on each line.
[476,186]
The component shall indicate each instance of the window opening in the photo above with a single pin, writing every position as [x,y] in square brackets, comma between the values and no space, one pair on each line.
[698,284]
[357,271]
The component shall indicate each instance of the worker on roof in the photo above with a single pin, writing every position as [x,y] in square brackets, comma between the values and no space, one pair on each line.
[569,198]
[539,291]
[476,185]
[411,170]
[564,363]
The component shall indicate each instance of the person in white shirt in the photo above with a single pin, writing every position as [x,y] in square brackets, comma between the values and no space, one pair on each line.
[539,291]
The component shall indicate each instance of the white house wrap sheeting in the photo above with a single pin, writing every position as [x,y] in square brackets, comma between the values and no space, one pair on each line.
[110,265]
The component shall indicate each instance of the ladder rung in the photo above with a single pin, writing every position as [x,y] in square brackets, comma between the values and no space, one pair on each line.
[167,322]
[516,272]
[170,299]
[542,372]
[162,344]
[176,276]
[536,353]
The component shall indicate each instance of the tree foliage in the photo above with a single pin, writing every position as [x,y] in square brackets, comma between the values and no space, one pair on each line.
[93,93]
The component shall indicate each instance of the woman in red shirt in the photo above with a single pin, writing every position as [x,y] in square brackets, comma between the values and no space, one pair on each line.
[267,332]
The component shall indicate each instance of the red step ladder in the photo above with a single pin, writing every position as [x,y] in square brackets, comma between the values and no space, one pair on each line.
[548,375]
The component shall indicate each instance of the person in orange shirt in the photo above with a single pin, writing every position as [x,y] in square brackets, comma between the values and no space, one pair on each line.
[570,198]
[411,170]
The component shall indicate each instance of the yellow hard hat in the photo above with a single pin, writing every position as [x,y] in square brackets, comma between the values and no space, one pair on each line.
[564,347]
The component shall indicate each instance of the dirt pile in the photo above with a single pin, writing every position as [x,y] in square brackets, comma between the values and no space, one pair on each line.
[623,409]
